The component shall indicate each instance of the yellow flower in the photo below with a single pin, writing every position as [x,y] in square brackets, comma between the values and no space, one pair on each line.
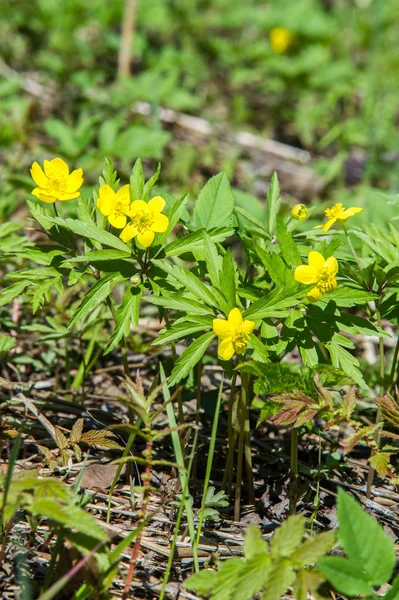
[114,205]
[56,183]
[281,39]
[320,272]
[338,213]
[234,334]
[299,212]
[146,221]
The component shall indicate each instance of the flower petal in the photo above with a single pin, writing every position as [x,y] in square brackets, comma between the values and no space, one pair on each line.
[64,195]
[332,265]
[128,233]
[157,204]
[138,206]
[248,326]
[38,175]
[305,274]
[222,329]
[316,260]
[226,349]
[74,181]
[106,200]
[235,318]
[117,220]
[40,193]
[349,212]
[329,224]
[123,195]
[160,224]
[314,295]
[146,238]
[56,167]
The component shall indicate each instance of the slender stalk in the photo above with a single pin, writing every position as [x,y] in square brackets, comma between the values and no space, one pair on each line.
[179,395]
[197,409]
[125,53]
[294,471]
[119,469]
[123,345]
[241,420]
[228,473]
[246,400]
[348,239]
[394,365]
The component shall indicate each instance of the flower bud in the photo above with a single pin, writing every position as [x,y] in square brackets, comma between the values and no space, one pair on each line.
[299,212]
[135,280]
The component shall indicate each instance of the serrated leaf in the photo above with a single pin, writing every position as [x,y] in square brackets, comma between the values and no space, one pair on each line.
[100,256]
[314,549]
[190,357]
[365,542]
[201,583]
[380,462]
[280,578]
[215,204]
[177,331]
[127,316]
[287,537]
[194,242]
[272,204]
[60,439]
[92,232]
[287,245]
[9,293]
[95,296]
[346,577]
[253,542]
[76,431]
[7,343]
[102,438]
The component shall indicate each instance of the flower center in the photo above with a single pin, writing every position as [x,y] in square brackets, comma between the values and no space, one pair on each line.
[120,207]
[326,281]
[240,341]
[57,183]
[143,221]
[335,212]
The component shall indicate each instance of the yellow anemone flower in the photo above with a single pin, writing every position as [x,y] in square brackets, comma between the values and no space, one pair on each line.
[319,271]
[338,213]
[55,182]
[146,220]
[114,205]
[234,334]
[299,212]
[281,39]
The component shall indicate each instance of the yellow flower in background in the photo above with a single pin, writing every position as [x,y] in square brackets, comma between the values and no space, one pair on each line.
[319,271]
[146,220]
[114,205]
[338,213]
[299,212]
[281,39]
[55,182]
[234,334]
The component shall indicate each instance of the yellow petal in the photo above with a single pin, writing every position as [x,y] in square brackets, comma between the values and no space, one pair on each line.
[160,224]
[248,326]
[40,193]
[316,260]
[138,206]
[74,181]
[235,318]
[106,199]
[38,176]
[65,195]
[226,349]
[329,224]
[157,204]
[146,238]
[123,195]
[222,329]
[332,265]
[305,274]
[128,233]
[117,220]
[349,212]
[56,167]
[314,295]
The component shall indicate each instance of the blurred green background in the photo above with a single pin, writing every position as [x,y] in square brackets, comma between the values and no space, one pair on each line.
[320,75]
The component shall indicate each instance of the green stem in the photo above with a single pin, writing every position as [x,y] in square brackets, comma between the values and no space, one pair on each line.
[179,394]
[393,367]
[241,421]
[228,473]
[197,409]
[246,400]
[294,471]
[348,239]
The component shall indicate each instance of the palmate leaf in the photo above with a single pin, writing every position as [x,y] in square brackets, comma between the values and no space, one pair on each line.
[288,537]
[342,359]
[190,357]
[215,204]
[188,280]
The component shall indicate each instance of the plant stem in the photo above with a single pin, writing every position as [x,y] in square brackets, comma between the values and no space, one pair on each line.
[246,400]
[348,239]
[241,421]
[125,52]
[179,395]
[394,365]
[197,409]
[294,471]
[228,473]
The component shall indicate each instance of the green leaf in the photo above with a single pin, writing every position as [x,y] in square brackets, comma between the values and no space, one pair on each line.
[365,542]
[177,302]
[288,537]
[253,577]
[348,297]
[280,578]
[274,304]
[7,343]
[127,316]
[9,293]
[95,296]
[201,583]
[342,359]
[213,260]
[272,204]
[100,256]
[92,232]
[190,357]
[278,271]
[189,281]
[194,242]
[393,593]
[287,245]
[178,331]
[173,214]
[215,204]
[137,181]
[253,542]
[314,549]
[345,576]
